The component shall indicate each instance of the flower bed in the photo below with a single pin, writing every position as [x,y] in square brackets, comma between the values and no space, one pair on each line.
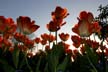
[89,55]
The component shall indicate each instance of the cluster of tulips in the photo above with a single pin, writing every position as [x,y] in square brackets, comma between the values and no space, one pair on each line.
[90,53]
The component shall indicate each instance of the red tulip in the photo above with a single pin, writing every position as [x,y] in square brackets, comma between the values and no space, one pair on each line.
[7,25]
[30,54]
[37,40]
[68,51]
[11,49]
[82,49]
[1,39]
[47,48]
[22,47]
[2,24]
[43,42]
[106,51]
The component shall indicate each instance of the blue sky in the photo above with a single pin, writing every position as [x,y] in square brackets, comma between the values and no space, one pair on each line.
[40,11]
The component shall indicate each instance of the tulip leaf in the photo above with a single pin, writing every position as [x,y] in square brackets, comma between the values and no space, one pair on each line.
[62,67]
[22,58]
[106,68]
[15,56]
[54,57]
[38,65]
[6,66]
[92,57]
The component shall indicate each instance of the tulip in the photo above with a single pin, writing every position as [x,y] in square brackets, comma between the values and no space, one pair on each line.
[86,26]
[64,37]
[26,25]
[76,41]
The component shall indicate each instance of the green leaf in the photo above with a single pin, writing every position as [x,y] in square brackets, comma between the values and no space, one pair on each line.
[64,64]
[15,56]
[22,58]
[107,68]
[6,66]
[92,57]
[92,70]
[54,56]
[38,65]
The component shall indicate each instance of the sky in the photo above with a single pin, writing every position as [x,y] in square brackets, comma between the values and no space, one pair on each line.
[40,11]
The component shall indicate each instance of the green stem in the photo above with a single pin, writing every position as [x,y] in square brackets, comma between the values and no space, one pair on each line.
[56,36]
[103,61]
[42,47]
[36,47]
[49,40]
[94,37]
[103,57]
[28,64]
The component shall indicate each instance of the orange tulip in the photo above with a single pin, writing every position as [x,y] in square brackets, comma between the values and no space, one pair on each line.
[86,26]
[51,38]
[82,28]
[57,19]
[64,37]
[76,41]
[59,13]
[45,36]
[52,26]
[96,27]
[86,16]
[26,25]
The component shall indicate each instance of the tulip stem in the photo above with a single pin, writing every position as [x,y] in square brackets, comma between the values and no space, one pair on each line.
[56,36]
[103,57]
[36,47]
[49,39]
[94,37]
[42,47]
[28,63]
